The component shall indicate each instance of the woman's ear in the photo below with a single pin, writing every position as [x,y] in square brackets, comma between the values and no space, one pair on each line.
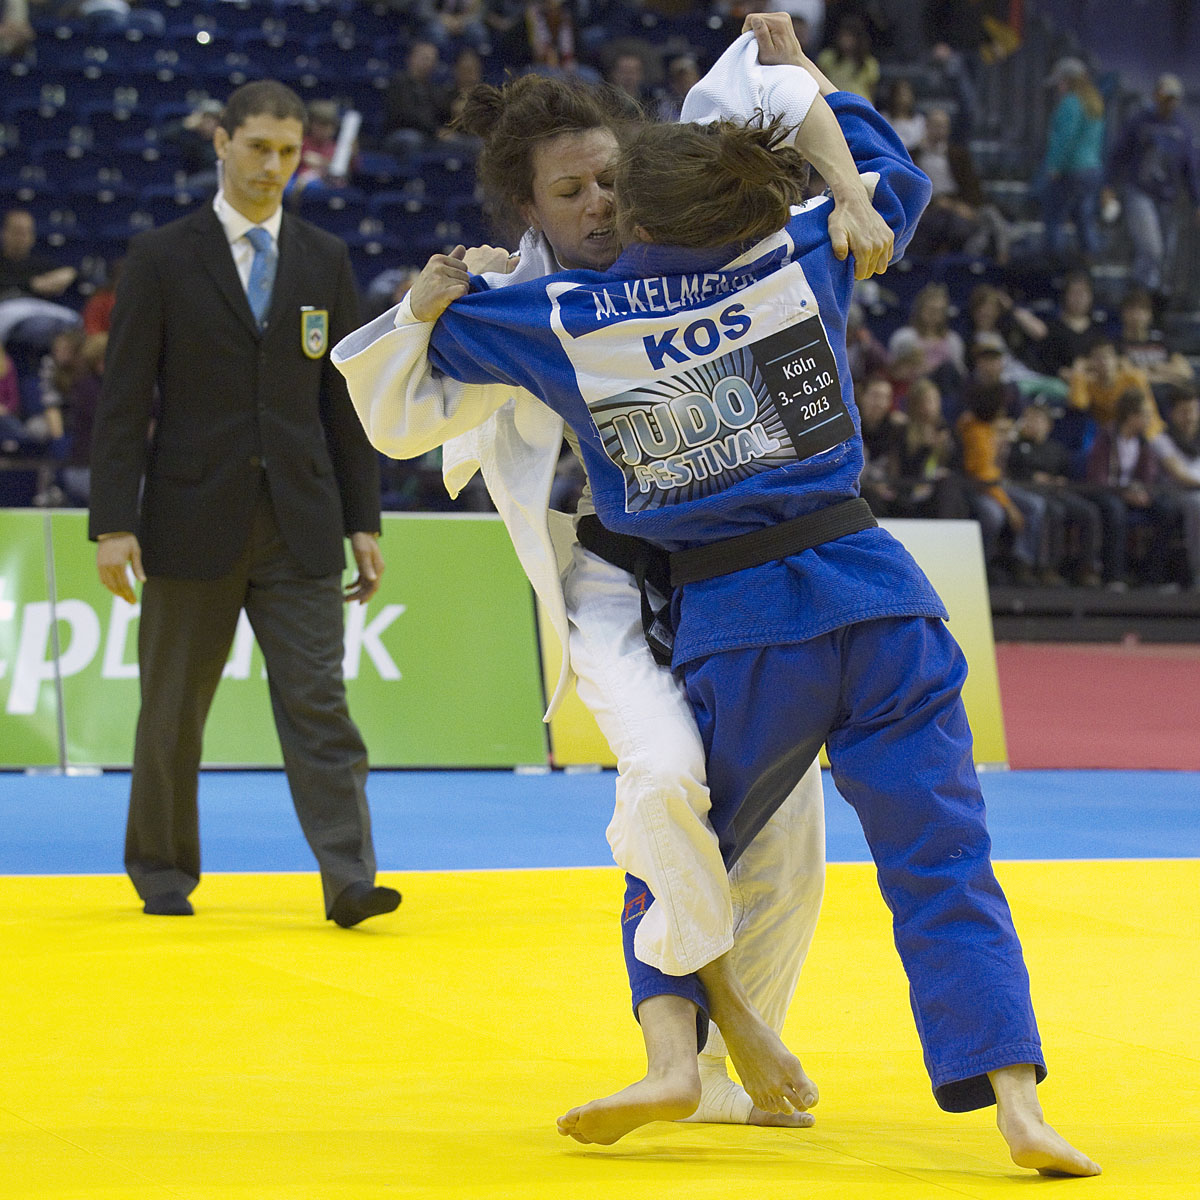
[529,215]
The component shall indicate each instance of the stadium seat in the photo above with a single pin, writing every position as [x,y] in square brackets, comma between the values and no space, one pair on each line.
[165,203]
[339,210]
[405,219]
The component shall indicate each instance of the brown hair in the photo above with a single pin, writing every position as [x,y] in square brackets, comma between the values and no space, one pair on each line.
[1129,402]
[263,98]
[514,119]
[1089,96]
[705,186]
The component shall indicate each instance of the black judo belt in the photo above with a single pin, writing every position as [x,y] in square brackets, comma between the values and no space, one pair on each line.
[771,542]
[653,566]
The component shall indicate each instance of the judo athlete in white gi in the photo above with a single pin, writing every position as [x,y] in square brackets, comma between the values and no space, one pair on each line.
[766,907]
[705,376]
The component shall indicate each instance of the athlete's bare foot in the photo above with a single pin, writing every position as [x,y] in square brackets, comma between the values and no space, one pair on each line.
[670,1089]
[769,1071]
[1031,1142]
[604,1121]
[723,1101]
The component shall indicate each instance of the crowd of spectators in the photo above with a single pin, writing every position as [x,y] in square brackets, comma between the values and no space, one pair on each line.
[1069,429]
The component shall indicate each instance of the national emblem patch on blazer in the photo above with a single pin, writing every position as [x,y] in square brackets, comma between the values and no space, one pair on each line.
[314,331]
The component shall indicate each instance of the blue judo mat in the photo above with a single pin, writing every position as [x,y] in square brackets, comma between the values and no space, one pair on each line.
[462,820]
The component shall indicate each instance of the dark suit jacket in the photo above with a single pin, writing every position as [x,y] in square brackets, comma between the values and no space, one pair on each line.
[228,401]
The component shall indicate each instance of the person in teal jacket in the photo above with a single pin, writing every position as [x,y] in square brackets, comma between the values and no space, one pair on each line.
[1073,167]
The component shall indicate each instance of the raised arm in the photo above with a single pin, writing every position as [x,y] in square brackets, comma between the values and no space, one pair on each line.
[767,71]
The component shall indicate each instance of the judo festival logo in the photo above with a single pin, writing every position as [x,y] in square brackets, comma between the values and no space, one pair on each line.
[770,404]
[693,434]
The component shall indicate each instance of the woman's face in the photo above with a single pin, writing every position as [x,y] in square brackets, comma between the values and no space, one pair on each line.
[932,311]
[573,198]
[925,406]
[1078,297]
[987,312]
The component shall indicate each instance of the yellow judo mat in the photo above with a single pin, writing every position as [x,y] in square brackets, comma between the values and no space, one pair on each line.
[255,1051]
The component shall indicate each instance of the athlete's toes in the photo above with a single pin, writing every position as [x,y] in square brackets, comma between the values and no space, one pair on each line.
[769,1120]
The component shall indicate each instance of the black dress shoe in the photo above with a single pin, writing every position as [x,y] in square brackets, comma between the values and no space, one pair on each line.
[168,904]
[362,900]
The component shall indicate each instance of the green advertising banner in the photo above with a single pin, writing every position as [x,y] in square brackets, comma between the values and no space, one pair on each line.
[29,719]
[441,666]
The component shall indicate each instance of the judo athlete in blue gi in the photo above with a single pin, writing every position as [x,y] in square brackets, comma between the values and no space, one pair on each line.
[705,376]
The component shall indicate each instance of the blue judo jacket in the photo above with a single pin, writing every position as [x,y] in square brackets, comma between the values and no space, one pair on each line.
[711,395]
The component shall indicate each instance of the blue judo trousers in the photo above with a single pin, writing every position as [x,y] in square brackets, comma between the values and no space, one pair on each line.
[885,697]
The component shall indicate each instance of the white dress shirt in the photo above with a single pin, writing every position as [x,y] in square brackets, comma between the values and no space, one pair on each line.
[235,226]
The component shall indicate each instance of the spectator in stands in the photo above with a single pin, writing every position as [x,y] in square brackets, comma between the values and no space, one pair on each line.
[1099,381]
[57,373]
[992,309]
[626,71]
[945,359]
[959,220]
[989,356]
[29,285]
[948,74]
[97,311]
[898,104]
[849,63]
[906,364]
[468,74]
[1153,163]
[12,429]
[923,457]
[456,22]
[192,135]
[1072,170]
[543,36]
[319,148]
[880,428]
[1074,528]
[1126,479]
[979,32]
[1178,450]
[682,72]
[16,33]
[986,433]
[865,353]
[1144,347]
[80,412]
[1073,329]
[417,103]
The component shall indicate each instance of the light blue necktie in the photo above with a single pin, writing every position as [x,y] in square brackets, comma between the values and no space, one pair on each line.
[262,273]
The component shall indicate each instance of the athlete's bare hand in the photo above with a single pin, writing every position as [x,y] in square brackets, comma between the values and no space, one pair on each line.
[856,228]
[442,280]
[777,41]
[481,259]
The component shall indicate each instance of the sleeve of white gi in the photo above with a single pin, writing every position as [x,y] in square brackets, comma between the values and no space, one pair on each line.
[402,405]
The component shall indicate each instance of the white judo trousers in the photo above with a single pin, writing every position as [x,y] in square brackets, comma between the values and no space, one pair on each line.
[765,909]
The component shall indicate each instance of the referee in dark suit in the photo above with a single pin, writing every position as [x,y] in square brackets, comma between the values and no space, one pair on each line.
[227,466]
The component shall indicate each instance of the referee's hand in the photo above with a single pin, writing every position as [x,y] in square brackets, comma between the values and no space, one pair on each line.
[114,555]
